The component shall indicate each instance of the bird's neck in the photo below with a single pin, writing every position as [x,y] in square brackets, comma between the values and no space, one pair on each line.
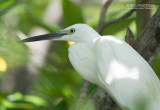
[89,40]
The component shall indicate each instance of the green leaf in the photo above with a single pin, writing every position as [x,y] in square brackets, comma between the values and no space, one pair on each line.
[15,97]
[114,28]
[72,13]
[53,86]
[35,100]
[22,106]
[5,3]
[6,6]
[156,65]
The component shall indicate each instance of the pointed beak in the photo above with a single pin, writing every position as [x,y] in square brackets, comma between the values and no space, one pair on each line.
[45,37]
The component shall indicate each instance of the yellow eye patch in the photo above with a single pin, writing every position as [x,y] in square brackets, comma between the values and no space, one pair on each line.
[70,42]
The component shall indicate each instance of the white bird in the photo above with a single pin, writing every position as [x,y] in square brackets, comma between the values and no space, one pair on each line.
[112,64]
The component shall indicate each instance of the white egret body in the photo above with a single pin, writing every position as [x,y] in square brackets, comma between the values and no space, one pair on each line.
[112,64]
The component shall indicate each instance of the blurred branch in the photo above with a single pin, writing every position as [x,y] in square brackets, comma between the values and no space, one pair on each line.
[126,15]
[102,16]
[103,101]
[148,40]
[83,92]
[142,16]
[129,38]
[102,24]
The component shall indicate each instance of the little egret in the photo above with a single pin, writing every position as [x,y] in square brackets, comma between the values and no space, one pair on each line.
[112,64]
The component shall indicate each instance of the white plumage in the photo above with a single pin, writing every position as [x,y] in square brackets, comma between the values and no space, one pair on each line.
[118,68]
[112,64]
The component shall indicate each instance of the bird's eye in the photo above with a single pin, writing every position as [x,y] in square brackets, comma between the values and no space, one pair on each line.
[72,30]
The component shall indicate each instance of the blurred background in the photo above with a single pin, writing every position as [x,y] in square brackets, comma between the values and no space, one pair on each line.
[39,76]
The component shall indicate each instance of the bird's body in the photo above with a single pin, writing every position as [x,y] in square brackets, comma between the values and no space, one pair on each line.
[99,63]
[115,66]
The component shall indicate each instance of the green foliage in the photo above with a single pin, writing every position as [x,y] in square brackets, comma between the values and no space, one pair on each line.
[5,3]
[17,101]
[72,13]
[156,65]
[52,86]
[115,28]
[10,47]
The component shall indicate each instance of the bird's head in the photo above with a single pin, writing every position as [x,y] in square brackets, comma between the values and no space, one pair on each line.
[75,33]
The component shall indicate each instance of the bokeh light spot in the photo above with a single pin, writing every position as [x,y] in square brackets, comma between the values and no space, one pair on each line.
[3,65]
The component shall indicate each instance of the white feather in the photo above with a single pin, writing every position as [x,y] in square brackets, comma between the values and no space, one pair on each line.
[119,69]
[115,66]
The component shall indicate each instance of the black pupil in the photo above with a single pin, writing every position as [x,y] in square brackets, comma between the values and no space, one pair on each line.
[72,30]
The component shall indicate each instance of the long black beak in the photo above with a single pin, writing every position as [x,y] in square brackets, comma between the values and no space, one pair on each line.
[44,37]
